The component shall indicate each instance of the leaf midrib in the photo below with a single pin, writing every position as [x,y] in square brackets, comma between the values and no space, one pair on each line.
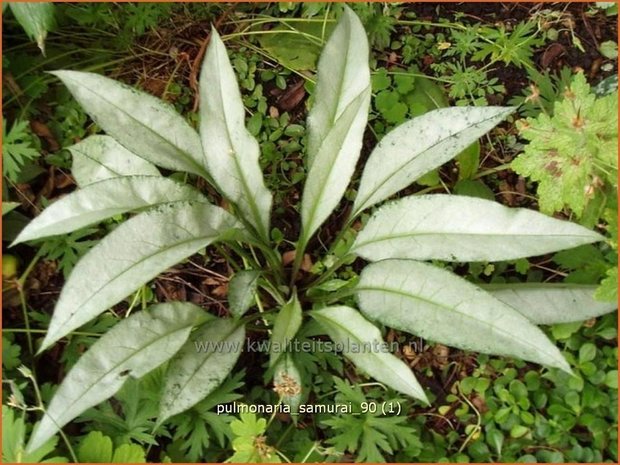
[249,195]
[124,360]
[491,327]
[208,356]
[413,234]
[133,265]
[373,354]
[111,211]
[362,204]
[323,187]
[187,156]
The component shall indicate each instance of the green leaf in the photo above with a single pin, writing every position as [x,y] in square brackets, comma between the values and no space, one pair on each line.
[105,199]
[201,365]
[587,353]
[438,305]
[573,154]
[451,228]
[18,149]
[468,161]
[242,290]
[131,255]
[418,146]
[608,290]
[609,49]
[426,96]
[13,439]
[95,448]
[36,19]
[99,157]
[611,379]
[343,75]
[285,327]
[247,430]
[295,45]
[548,304]
[129,453]
[126,350]
[9,207]
[365,347]
[143,124]
[231,153]
[470,188]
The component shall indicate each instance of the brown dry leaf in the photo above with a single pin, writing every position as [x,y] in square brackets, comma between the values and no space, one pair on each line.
[209,281]
[306,263]
[221,290]
[440,354]
[288,257]
[292,96]
[551,53]
[41,130]
[589,323]
[480,404]
[64,180]
[507,193]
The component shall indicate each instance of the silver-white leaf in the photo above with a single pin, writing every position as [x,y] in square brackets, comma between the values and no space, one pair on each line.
[343,74]
[365,347]
[548,304]
[201,365]
[438,305]
[333,166]
[460,228]
[133,254]
[336,123]
[242,290]
[145,125]
[231,152]
[132,348]
[105,199]
[99,157]
[420,145]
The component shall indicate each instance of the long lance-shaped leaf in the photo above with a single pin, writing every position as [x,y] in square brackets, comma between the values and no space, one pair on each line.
[333,167]
[131,255]
[548,304]
[438,305]
[336,123]
[231,152]
[201,365]
[105,199]
[36,19]
[363,345]
[285,327]
[100,157]
[132,348]
[343,74]
[143,124]
[459,228]
[418,146]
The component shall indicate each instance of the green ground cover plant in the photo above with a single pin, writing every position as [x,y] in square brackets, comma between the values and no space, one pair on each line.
[155,192]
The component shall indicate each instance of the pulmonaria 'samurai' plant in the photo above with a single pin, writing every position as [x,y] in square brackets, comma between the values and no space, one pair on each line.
[117,173]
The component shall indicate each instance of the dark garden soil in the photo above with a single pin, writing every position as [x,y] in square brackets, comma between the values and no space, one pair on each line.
[204,279]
